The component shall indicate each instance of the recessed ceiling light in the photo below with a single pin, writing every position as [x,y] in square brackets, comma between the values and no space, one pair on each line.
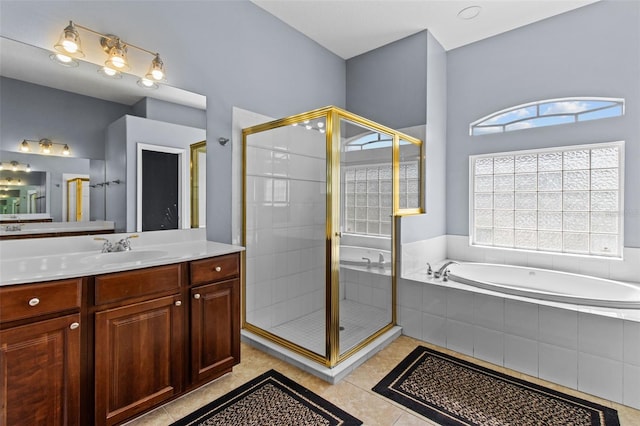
[469,12]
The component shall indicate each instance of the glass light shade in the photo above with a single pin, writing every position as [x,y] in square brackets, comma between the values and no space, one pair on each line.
[69,42]
[147,83]
[46,145]
[110,73]
[156,70]
[64,60]
[118,57]
[65,150]
[24,146]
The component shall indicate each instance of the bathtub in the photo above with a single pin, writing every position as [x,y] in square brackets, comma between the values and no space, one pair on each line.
[360,256]
[548,285]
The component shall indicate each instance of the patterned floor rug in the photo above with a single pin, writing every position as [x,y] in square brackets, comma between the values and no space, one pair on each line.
[269,399]
[454,392]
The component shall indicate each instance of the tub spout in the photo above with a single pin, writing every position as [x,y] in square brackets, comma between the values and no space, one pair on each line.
[429,270]
[444,269]
[368,261]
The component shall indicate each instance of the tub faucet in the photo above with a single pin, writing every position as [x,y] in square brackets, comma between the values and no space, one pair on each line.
[429,270]
[443,269]
[381,261]
[368,261]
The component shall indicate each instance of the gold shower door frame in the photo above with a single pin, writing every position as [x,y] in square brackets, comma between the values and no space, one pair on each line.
[333,116]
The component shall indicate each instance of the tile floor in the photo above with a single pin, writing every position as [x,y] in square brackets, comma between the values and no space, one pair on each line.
[352,394]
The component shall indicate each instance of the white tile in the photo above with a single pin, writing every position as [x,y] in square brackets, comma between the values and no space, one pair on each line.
[558,327]
[488,345]
[521,354]
[434,329]
[411,322]
[521,319]
[558,365]
[631,389]
[410,294]
[599,335]
[365,293]
[460,305]
[434,300]
[279,289]
[488,312]
[600,376]
[567,263]
[631,346]
[459,336]
[629,268]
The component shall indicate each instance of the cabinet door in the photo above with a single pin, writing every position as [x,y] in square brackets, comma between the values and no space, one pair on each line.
[138,357]
[40,373]
[215,329]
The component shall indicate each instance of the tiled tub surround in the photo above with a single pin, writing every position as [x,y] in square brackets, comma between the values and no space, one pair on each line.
[594,350]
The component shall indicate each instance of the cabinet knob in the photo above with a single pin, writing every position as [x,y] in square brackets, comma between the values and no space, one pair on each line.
[74,325]
[218,269]
[178,303]
[196,296]
[34,301]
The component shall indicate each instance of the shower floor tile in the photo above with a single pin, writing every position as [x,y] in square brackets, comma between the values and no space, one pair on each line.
[359,321]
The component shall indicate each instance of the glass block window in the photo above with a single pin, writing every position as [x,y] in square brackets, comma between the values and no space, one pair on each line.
[368,196]
[548,112]
[566,200]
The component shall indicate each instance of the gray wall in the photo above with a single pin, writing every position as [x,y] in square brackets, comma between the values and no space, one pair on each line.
[388,84]
[233,52]
[30,111]
[592,51]
[158,110]
[403,85]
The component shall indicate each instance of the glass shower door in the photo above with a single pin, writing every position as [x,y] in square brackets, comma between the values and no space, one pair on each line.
[285,224]
[366,218]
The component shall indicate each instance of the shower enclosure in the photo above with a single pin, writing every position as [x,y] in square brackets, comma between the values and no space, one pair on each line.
[321,191]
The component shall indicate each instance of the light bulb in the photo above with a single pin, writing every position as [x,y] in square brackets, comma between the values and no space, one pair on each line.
[117,61]
[157,74]
[14,168]
[65,150]
[63,58]
[70,46]
[24,146]
[46,149]
[28,168]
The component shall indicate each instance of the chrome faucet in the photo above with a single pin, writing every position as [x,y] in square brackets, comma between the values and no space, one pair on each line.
[381,261]
[429,270]
[444,270]
[122,245]
[368,261]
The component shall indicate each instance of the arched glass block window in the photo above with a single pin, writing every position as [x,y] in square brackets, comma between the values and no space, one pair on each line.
[548,112]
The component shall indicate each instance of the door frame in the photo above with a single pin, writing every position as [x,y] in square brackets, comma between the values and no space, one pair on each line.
[184,210]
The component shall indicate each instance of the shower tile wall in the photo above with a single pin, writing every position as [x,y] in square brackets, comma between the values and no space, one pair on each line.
[285,225]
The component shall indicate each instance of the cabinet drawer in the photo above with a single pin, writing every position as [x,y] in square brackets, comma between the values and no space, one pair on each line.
[31,300]
[131,284]
[214,269]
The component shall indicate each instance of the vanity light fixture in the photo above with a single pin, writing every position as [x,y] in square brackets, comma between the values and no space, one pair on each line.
[69,48]
[46,147]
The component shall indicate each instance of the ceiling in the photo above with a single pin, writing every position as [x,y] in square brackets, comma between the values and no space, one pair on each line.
[351,27]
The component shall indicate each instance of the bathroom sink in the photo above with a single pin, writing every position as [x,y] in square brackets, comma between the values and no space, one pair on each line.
[122,257]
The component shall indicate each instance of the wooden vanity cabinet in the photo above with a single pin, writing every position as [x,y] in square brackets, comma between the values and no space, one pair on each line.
[40,360]
[138,341]
[215,317]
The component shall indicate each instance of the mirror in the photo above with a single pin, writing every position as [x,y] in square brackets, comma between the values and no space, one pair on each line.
[81,108]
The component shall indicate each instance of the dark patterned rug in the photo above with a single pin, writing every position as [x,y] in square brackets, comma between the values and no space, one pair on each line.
[269,399]
[454,392]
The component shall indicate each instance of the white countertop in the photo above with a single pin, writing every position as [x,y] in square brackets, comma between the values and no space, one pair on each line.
[55,227]
[36,260]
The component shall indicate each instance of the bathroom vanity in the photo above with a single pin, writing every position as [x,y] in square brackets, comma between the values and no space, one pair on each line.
[105,342]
